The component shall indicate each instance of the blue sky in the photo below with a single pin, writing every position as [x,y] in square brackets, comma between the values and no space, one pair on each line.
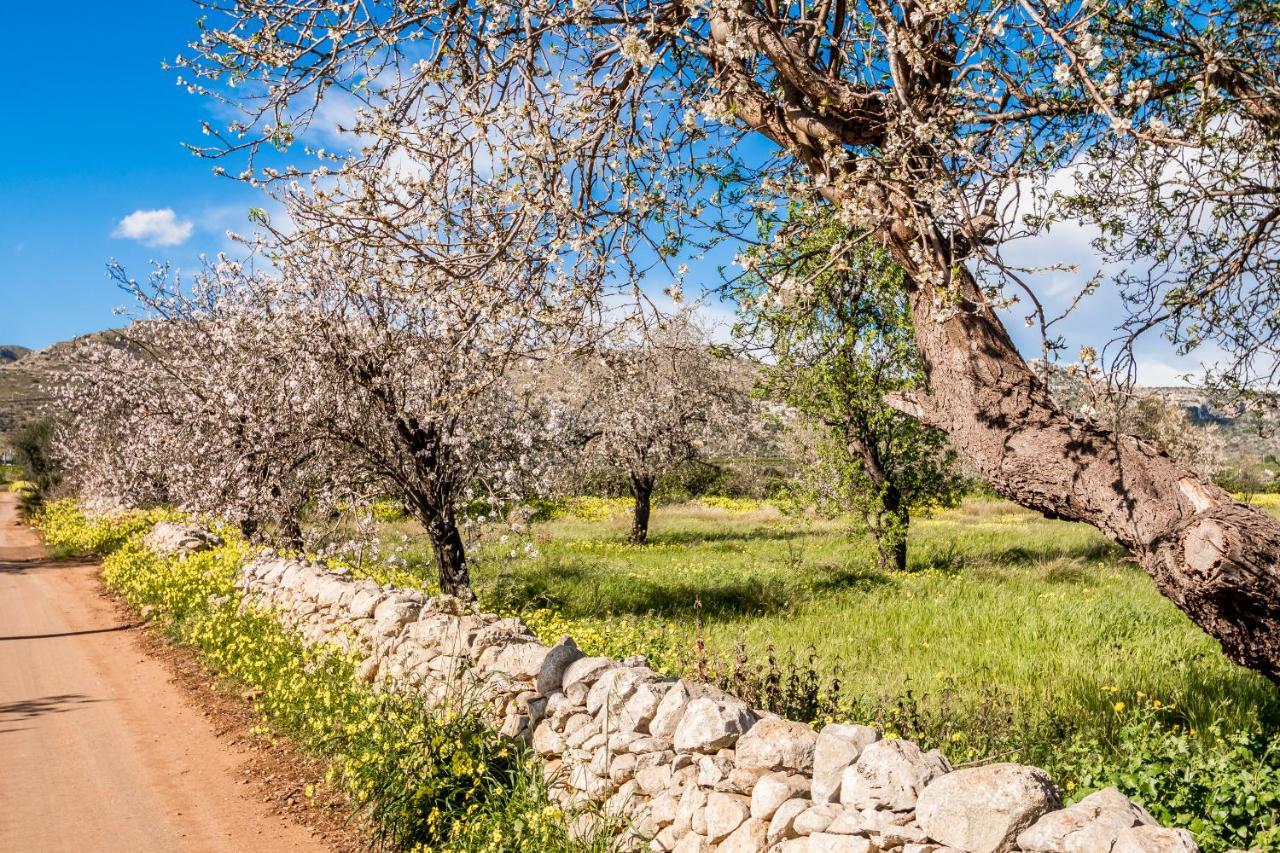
[93,127]
[92,169]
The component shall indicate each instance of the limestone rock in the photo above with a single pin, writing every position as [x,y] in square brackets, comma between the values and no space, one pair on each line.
[666,716]
[547,742]
[615,687]
[1154,839]
[638,711]
[838,746]
[777,744]
[1094,823]
[725,813]
[816,818]
[890,774]
[825,842]
[782,824]
[747,838]
[773,790]
[521,660]
[173,537]
[983,809]
[559,657]
[586,670]
[709,724]
[692,843]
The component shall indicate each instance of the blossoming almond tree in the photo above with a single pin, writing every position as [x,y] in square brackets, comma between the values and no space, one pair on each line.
[653,396]
[193,408]
[933,127]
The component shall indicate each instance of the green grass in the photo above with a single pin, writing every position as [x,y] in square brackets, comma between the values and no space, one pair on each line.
[1043,618]
[1012,637]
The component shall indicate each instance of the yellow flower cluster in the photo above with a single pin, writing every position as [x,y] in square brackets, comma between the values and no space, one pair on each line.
[428,781]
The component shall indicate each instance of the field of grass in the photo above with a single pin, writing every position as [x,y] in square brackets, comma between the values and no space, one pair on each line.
[1002,614]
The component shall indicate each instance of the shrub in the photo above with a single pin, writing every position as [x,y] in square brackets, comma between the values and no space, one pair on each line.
[1222,785]
[33,444]
[69,532]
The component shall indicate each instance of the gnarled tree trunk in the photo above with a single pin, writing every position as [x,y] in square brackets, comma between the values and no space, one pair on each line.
[1211,555]
[451,558]
[893,524]
[447,545]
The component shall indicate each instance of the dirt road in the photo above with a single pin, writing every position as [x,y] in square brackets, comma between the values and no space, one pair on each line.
[99,751]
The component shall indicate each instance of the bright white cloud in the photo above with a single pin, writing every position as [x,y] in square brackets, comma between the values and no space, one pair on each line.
[155,227]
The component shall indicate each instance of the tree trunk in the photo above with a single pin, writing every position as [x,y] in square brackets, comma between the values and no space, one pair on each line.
[642,491]
[291,531]
[1214,557]
[450,552]
[892,541]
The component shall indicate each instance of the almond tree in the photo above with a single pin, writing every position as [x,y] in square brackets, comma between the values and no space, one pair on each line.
[654,397]
[195,409]
[932,127]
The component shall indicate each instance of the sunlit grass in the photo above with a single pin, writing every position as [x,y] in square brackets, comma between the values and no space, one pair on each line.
[1045,618]
[1046,614]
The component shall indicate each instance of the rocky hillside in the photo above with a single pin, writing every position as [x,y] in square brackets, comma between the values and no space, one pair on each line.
[23,375]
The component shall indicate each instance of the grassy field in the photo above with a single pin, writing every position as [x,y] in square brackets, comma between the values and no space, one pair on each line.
[1003,614]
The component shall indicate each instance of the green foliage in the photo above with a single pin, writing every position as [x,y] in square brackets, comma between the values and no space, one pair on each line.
[33,444]
[426,780]
[387,510]
[841,337]
[1222,784]
[797,617]
[69,532]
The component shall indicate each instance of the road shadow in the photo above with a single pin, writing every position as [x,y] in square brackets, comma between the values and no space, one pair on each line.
[27,709]
[109,630]
[22,567]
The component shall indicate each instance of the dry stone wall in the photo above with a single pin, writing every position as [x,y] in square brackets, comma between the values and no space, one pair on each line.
[690,767]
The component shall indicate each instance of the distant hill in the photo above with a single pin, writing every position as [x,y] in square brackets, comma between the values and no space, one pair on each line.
[23,376]
[12,353]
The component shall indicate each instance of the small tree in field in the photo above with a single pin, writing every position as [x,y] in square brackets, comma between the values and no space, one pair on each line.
[838,339]
[656,397]
[33,448]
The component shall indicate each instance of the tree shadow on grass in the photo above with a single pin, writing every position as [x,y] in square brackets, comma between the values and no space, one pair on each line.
[580,589]
[591,591]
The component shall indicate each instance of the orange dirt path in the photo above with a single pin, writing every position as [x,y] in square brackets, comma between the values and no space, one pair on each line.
[99,750]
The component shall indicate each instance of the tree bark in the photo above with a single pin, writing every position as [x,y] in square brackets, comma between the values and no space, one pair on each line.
[1214,557]
[642,491]
[450,551]
[291,531]
[891,543]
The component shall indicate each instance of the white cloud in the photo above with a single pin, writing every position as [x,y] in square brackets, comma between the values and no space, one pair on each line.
[154,227]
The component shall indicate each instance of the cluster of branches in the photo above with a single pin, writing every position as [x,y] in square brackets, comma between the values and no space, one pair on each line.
[338,378]
[655,398]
